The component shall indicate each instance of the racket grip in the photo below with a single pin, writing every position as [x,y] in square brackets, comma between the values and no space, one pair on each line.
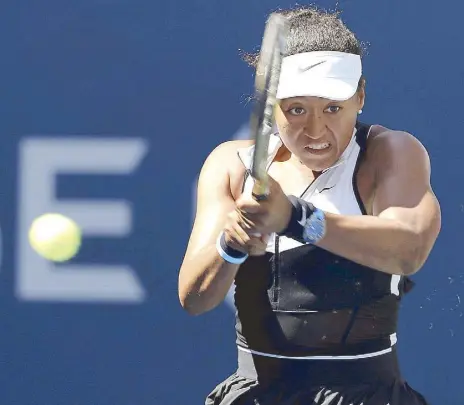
[260,190]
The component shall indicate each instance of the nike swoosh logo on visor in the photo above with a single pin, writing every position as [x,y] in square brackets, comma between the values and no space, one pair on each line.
[304,69]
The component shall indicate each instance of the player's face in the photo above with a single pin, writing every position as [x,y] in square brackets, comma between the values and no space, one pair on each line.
[317,130]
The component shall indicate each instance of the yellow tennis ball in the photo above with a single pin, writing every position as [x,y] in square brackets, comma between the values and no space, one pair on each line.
[55,237]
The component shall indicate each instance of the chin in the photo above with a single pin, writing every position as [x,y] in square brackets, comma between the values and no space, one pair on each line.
[318,160]
[319,165]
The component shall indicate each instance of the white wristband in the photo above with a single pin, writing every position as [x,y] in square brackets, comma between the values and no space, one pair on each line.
[227,257]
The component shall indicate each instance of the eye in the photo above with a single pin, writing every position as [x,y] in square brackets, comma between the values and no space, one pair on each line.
[296,111]
[333,109]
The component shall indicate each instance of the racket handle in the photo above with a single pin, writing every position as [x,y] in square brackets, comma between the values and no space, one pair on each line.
[260,190]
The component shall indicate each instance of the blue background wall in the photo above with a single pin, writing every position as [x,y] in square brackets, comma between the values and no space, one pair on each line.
[165,78]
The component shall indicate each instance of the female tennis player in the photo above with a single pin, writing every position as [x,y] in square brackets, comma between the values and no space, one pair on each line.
[350,216]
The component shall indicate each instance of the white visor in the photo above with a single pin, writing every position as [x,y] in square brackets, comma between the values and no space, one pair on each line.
[331,75]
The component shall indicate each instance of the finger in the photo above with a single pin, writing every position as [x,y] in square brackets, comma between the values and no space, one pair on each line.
[258,244]
[252,224]
[252,221]
[244,219]
[248,205]
[256,247]
[239,238]
[256,252]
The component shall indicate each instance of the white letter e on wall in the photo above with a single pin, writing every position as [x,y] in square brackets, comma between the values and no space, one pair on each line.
[40,160]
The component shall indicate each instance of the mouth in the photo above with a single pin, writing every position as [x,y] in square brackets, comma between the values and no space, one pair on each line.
[318,148]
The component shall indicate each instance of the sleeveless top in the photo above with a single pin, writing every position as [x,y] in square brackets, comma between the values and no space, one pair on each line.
[301,301]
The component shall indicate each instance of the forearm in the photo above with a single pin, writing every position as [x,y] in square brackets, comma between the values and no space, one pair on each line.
[205,280]
[380,243]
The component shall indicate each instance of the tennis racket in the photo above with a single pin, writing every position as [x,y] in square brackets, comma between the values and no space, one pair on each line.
[266,82]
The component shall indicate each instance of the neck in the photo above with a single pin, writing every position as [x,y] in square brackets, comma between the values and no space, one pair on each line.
[302,168]
[284,155]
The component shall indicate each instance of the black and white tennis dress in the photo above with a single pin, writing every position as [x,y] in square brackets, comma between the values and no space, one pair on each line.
[312,327]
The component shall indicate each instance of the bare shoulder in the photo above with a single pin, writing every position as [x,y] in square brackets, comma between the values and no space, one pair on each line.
[387,147]
[225,155]
[223,164]
[227,150]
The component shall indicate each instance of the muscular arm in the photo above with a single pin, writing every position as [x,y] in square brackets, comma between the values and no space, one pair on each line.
[205,278]
[406,219]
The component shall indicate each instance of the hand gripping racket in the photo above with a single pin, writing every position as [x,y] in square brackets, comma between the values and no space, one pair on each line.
[266,82]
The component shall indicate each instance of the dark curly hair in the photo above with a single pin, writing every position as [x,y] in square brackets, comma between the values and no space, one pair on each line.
[314,29]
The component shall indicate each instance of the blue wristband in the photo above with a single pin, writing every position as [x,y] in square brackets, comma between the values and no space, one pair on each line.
[229,254]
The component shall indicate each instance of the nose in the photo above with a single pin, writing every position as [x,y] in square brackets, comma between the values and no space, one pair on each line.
[314,127]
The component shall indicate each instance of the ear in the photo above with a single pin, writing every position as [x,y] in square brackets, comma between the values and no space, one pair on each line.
[361,94]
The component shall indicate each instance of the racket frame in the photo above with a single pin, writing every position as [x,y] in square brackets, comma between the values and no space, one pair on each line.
[266,83]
